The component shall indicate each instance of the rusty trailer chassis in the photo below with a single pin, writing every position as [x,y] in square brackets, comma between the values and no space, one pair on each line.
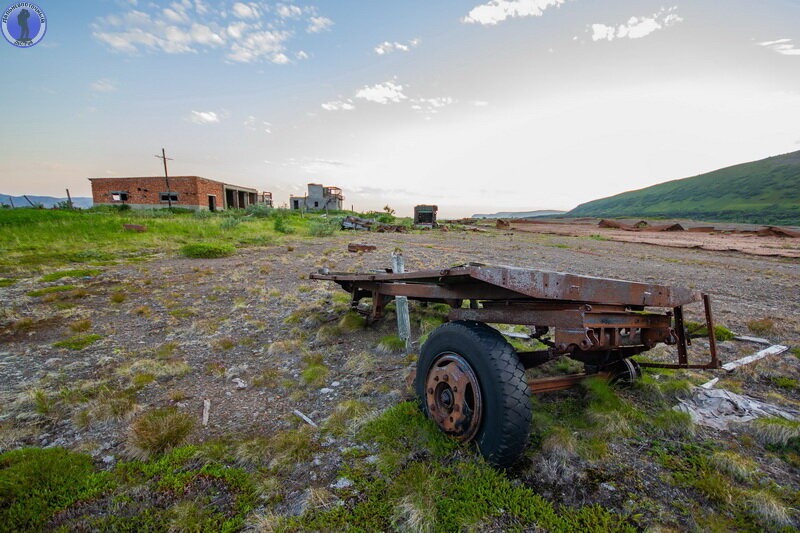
[597,320]
[467,389]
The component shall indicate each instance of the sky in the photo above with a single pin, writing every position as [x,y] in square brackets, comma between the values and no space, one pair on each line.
[475,105]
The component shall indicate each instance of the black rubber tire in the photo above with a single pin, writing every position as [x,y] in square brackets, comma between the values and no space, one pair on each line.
[505,428]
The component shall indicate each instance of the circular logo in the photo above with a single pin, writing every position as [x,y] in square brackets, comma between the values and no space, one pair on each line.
[24,24]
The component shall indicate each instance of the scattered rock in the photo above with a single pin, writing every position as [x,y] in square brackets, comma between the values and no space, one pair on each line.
[342,483]
[325,390]
[240,384]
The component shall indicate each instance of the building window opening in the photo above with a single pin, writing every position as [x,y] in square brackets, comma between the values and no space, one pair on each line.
[119,196]
[169,197]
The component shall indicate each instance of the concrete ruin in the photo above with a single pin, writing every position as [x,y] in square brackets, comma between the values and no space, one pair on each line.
[319,198]
[425,215]
[187,192]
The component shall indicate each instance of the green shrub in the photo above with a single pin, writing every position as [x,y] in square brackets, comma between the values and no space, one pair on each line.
[260,210]
[323,227]
[281,225]
[203,250]
[230,223]
[35,483]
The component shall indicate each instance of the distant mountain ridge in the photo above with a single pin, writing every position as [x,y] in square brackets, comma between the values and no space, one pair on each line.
[46,201]
[760,192]
[521,214]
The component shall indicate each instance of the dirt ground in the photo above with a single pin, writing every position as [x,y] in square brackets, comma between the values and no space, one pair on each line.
[728,237]
[228,320]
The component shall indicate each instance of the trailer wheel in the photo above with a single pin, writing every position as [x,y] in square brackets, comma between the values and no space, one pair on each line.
[624,372]
[472,385]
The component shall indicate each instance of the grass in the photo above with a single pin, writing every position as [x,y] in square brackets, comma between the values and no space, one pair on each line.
[202,250]
[159,430]
[51,290]
[775,430]
[184,490]
[761,326]
[78,342]
[760,192]
[391,344]
[118,297]
[7,282]
[429,487]
[35,483]
[352,321]
[360,363]
[76,273]
[720,332]
[34,238]
[80,326]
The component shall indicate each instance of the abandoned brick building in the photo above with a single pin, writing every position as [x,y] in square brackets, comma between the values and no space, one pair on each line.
[188,192]
[318,198]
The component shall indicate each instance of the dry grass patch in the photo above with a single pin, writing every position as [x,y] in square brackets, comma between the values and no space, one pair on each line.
[158,368]
[158,431]
[285,347]
[80,326]
[361,363]
[734,465]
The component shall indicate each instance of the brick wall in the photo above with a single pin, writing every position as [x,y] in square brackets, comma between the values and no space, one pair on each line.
[192,191]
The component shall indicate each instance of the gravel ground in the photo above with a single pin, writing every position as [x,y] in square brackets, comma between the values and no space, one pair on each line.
[226,318]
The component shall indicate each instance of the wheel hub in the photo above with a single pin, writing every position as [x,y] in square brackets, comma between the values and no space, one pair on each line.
[453,396]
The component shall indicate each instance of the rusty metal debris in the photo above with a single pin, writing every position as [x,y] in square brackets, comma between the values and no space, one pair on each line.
[369,224]
[596,320]
[471,382]
[356,247]
[642,225]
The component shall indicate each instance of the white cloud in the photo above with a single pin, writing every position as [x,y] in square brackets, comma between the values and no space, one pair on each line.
[782,46]
[204,35]
[104,86]
[288,11]
[245,11]
[175,15]
[260,44]
[388,47]
[317,166]
[636,27]
[253,124]
[319,24]
[496,11]
[431,106]
[339,105]
[246,31]
[480,103]
[382,93]
[204,117]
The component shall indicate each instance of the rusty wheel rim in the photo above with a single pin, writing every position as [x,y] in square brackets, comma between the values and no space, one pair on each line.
[453,396]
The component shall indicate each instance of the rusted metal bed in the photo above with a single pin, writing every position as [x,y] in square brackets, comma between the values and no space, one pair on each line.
[598,321]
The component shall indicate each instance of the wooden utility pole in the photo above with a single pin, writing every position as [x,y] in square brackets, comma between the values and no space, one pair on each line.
[164,157]
[69,200]
[12,201]
[29,200]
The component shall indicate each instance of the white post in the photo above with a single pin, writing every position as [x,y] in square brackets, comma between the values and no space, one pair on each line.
[401,304]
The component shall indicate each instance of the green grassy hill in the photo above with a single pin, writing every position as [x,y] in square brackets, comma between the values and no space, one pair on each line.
[760,192]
